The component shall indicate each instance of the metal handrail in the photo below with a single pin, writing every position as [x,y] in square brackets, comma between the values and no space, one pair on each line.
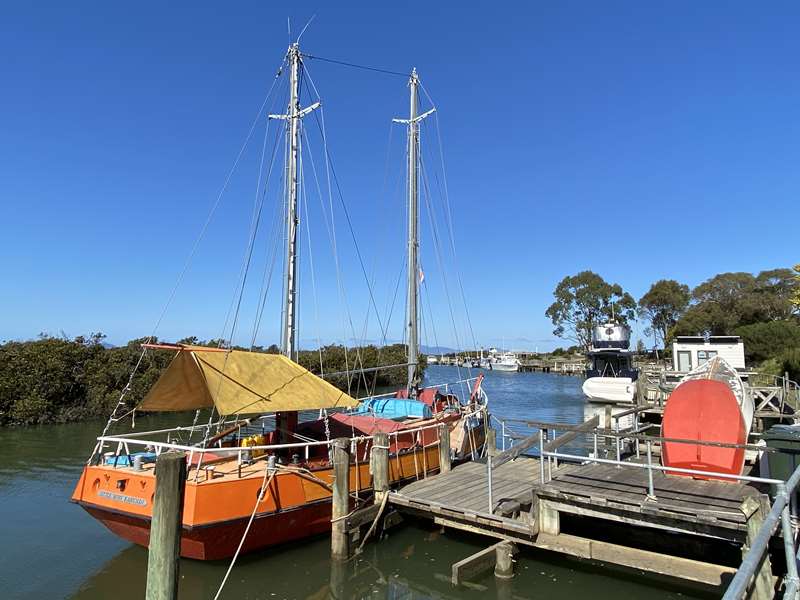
[740,583]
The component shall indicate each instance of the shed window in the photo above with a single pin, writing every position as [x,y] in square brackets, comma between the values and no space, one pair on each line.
[704,356]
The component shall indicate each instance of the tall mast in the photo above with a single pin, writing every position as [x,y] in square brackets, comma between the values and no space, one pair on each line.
[412,299]
[413,235]
[292,117]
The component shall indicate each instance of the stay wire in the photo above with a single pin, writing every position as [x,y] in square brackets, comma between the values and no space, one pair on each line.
[355,66]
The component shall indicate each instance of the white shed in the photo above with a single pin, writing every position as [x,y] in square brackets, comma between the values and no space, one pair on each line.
[691,351]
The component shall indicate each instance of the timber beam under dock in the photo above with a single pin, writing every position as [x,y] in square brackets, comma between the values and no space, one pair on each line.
[599,512]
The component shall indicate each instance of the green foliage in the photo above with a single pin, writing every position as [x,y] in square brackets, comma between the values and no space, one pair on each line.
[60,380]
[663,305]
[731,300]
[790,363]
[795,298]
[56,380]
[765,340]
[585,300]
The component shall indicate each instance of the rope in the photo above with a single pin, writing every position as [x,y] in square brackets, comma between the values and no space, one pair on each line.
[374,522]
[264,487]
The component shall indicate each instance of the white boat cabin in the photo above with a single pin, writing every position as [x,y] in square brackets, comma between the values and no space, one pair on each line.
[689,351]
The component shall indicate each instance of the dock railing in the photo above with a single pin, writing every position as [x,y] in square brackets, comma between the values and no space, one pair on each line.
[780,513]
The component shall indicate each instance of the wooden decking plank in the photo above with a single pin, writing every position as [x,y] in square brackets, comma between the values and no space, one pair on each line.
[636,494]
[637,499]
[691,492]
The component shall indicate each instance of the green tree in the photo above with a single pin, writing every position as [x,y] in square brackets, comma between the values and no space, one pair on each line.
[585,300]
[731,300]
[766,340]
[795,297]
[663,305]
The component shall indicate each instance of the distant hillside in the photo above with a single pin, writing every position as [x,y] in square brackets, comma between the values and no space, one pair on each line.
[437,350]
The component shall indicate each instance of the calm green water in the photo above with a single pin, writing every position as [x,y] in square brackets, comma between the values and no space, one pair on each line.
[53,549]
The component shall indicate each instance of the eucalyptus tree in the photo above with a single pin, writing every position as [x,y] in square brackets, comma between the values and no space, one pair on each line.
[585,300]
[663,305]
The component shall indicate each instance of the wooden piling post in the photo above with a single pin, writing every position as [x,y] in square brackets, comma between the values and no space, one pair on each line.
[165,528]
[380,466]
[444,448]
[491,442]
[340,543]
[504,560]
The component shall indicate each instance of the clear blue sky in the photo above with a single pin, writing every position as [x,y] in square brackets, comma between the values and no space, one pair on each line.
[639,140]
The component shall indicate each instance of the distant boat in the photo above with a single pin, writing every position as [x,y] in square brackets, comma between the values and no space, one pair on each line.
[506,361]
[611,377]
[711,404]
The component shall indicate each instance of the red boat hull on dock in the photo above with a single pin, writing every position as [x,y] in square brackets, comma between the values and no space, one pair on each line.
[705,410]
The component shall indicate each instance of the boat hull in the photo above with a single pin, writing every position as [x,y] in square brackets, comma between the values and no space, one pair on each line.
[219,540]
[707,411]
[216,510]
[507,368]
[618,390]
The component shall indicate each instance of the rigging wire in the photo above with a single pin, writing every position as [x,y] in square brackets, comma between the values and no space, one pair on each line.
[449,216]
[354,65]
[320,120]
[258,206]
[311,267]
[121,401]
[438,253]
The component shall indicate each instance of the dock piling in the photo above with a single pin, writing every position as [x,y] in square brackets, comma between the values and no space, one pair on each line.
[380,466]
[163,553]
[504,555]
[444,448]
[340,543]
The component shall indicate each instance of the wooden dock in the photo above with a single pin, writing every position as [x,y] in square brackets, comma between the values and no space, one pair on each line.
[586,510]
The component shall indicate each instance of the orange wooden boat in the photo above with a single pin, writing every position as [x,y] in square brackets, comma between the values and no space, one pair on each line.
[225,477]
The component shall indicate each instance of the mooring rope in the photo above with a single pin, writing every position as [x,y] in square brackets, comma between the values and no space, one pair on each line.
[264,488]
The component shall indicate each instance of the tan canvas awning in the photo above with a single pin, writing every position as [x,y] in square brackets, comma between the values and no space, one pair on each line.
[239,382]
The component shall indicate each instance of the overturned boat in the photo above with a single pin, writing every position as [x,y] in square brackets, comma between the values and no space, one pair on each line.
[710,404]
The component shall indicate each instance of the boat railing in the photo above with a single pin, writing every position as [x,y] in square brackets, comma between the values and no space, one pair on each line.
[125,442]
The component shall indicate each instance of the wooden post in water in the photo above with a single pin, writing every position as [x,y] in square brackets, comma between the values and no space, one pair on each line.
[340,543]
[165,528]
[380,466]
[504,565]
[444,448]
